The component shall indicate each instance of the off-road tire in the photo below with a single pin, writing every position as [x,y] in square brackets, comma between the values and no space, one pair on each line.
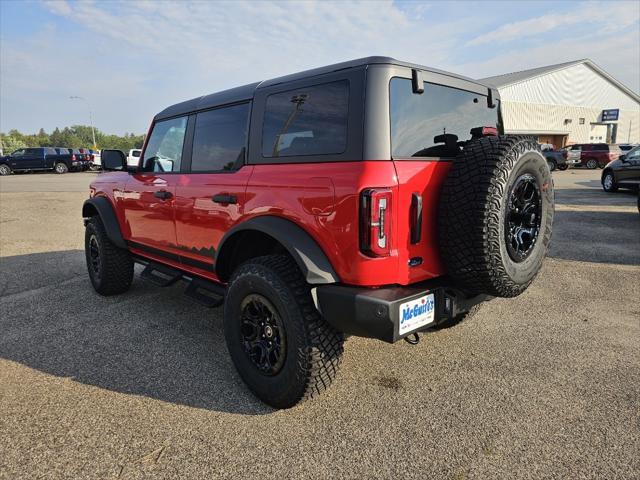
[313,347]
[60,168]
[562,168]
[591,163]
[472,215]
[115,272]
[5,170]
[552,165]
[613,187]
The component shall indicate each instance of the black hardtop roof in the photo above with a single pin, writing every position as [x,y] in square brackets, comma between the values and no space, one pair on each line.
[246,92]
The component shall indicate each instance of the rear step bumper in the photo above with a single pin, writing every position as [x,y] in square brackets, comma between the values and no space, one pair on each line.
[375,312]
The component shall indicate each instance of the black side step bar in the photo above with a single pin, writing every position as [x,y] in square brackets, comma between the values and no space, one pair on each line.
[160,275]
[206,293]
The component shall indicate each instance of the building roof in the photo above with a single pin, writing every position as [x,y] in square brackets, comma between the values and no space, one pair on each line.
[507,79]
[246,92]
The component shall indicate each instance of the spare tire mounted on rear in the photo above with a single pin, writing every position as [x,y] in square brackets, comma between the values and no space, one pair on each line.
[496,215]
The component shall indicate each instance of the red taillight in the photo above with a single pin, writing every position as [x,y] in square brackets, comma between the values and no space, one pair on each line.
[73,157]
[375,222]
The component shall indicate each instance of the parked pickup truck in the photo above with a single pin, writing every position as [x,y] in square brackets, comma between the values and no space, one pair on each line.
[556,159]
[38,158]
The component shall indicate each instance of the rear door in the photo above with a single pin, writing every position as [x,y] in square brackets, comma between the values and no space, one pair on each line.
[33,159]
[210,195]
[50,157]
[147,201]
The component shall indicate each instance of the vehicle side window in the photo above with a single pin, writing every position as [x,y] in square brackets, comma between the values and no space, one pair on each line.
[18,153]
[164,149]
[633,154]
[136,153]
[32,151]
[220,138]
[436,122]
[306,121]
[50,151]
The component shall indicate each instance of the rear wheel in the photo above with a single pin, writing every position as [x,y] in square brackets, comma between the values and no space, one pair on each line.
[592,163]
[110,268]
[281,346]
[5,170]
[609,182]
[61,167]
[496,215]
[563,167]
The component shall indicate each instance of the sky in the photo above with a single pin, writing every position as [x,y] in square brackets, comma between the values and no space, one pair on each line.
[131,59]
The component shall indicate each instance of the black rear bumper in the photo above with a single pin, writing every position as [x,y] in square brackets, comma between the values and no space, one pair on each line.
[375,312]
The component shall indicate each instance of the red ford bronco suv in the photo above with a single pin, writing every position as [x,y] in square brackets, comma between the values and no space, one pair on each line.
[374,198]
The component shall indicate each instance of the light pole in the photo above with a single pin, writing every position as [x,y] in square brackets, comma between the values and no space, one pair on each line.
[93,132]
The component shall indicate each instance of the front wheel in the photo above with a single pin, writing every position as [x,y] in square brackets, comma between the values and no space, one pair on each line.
[592,164]
[609,182]
[552,165]
[562,168]
[5,170]
[61,167]
[110,268]
[279,343]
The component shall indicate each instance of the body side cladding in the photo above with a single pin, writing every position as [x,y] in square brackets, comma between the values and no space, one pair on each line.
[306,252]
[105,210]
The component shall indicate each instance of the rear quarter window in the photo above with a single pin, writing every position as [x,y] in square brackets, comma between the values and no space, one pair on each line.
[306,121]
[436,122]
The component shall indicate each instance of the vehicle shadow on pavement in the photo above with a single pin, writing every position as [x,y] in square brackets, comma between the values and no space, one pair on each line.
[150,341]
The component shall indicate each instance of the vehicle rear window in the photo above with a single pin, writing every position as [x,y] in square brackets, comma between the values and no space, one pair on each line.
[436,122]
[306,121]
[220,138]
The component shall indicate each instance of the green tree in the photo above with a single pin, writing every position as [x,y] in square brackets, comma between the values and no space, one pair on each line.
[76,136]
[10,143]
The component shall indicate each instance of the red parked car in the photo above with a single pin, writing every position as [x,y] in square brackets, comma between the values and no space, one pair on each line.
[374,198]
[592,155]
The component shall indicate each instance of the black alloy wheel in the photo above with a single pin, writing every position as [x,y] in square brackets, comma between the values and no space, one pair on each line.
[263,334]
[522,217]
[94,257]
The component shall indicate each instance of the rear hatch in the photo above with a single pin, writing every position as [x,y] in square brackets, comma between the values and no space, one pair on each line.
[428,130]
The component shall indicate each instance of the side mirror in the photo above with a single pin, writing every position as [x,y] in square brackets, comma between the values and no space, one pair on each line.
[113,160]
[623,158]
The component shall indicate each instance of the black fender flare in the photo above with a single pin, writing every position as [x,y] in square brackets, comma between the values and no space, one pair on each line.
[105,210]
[305,251]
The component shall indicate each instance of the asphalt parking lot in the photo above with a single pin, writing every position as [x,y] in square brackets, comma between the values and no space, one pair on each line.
[546,385]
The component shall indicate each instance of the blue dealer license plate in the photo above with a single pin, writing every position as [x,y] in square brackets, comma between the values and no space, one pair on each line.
[416,313]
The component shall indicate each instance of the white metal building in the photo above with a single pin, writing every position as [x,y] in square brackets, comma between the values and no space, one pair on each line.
[573,102]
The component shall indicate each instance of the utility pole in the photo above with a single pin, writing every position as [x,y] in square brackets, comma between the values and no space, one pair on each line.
[93,132]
